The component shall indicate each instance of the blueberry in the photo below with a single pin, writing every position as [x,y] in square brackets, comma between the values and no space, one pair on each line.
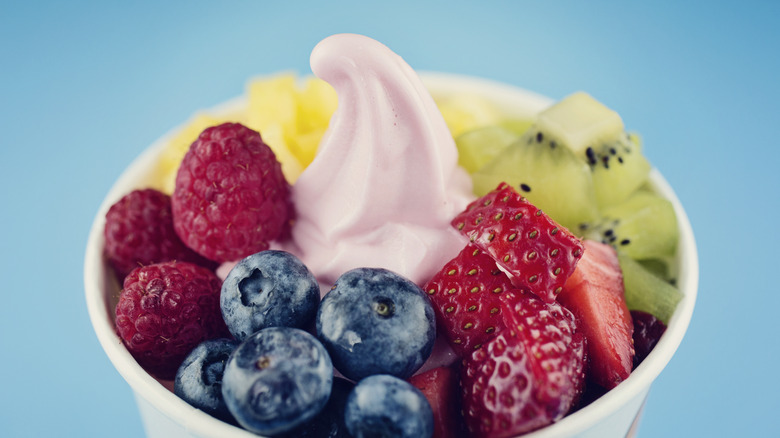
[199,378]
[329,423]
[277,379]
[386,406]
[374,321]
[268,289]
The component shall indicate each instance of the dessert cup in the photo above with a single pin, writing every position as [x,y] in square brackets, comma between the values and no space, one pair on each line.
[615,414]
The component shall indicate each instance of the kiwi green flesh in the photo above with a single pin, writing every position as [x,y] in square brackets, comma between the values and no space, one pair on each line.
[619,168]
[642,227]
[550,176]
[647,292]
[661,268]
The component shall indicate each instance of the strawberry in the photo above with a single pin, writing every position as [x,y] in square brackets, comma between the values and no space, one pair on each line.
[464,294]
[538,253]
[529,375]
[595,294]
[441,387]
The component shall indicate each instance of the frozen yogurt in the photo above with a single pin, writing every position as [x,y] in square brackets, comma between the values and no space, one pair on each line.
[385,182]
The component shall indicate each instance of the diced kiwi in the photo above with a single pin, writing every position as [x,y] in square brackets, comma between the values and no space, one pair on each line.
[619,168]
[659,268]
[550,176]
[596,135]
[478,147]
[646,291]
[642,227]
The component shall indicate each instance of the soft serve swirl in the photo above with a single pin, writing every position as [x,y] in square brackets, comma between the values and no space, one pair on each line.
[385,182]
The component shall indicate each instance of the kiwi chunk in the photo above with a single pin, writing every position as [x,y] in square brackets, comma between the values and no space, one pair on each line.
[596,135]
[618,167]
[549,175]
[642,227]
[646,291]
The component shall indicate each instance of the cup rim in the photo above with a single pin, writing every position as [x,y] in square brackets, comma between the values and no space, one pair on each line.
[514,100]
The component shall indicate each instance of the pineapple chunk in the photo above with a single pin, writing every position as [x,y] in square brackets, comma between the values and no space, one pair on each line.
[291,118]
[466,112]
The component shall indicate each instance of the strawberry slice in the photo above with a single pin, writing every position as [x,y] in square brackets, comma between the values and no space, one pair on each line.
[529,375]
[441,387]
[538,253]
[465,296]
[595,294]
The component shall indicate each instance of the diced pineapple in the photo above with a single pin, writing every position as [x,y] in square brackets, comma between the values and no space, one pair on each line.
[291,118]
[464,112]
[273,136]
[317,102]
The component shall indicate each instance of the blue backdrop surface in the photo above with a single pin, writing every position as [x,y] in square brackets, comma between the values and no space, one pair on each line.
[86,86]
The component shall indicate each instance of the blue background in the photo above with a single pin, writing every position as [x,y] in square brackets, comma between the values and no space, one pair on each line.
[85,87]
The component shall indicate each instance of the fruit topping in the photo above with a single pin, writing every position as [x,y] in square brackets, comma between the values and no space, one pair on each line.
[647,292]
[549,175]
[538,253]
[478,147]
[374,321]
[465,295]
[329,423]
[292,114]
[595,294]
[529,375]
[268,289]
[647,332]
[231,198]
[139,231]
[383,406]
[165,310]
[441,387]
[199,378]
[597,136]
[575,159]
[177,147]
[277,379]
[643,227]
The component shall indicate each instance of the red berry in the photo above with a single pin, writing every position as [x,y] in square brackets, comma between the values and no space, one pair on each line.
[464,294]
[165,310]
[537,252]
[231,198]
[441,387]
[596,295]
[139,231]
[647,331]
[529,375]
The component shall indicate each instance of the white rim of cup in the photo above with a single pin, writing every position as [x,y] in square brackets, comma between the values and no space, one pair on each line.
[512,99]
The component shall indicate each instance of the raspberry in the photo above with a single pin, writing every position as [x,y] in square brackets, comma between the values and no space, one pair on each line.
[231,197]
[139,231]
[167,309]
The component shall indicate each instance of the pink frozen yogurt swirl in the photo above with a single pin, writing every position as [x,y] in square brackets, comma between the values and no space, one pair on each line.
[385,182]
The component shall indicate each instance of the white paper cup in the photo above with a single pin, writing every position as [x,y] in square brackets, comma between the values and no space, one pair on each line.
[615,414]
